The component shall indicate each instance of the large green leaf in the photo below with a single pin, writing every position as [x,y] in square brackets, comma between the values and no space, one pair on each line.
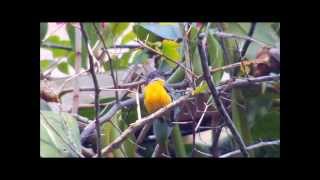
[118,28]
[215,57]
[267,126]
[59,135]
[128,37]
[171,50]
[43,30]
[167,31]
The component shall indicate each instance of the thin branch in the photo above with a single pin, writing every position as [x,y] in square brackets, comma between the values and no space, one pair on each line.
[238,64]
[122,47]
[97,89]
[255,146]
[217,100]
[170,59]
[56,46]
[120,86]
[247,42]
[201,118]
[110,62]
[229,35]
[140,123]
[248,81]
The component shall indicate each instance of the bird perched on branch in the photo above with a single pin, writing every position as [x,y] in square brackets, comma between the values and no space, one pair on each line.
[157,96]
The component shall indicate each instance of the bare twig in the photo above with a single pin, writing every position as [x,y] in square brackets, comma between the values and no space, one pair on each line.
[110,62]
[97,89]
[255,146]
[140,123]
[217,100]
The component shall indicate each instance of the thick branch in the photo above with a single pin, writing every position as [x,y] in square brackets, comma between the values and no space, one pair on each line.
[217,100]
[97,90]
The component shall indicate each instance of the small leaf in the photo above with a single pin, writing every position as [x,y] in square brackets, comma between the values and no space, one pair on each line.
[71,33]
[118,28]
[171,50]
[203,86]
[140,57]
[45,64]
[64,67]
[128,37]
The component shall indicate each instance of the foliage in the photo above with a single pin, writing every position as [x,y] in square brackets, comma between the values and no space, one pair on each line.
[253,108]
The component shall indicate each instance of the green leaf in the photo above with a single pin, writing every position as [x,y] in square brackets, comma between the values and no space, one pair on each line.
[143,33]
[201,88]
[71,33]
[128,37]
[56,53]
[267,126]
[118,28]
[177,76]
[179,146]
[140,57]
[171,32]
[59,135]
[84,55]
[64,67]
[110,133]
[43,30]
[215,57]
[239,116]
[171,50]
[91,33]
[45,64]
[72,59]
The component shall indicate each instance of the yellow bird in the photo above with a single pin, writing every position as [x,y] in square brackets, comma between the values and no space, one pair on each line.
[156,97]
